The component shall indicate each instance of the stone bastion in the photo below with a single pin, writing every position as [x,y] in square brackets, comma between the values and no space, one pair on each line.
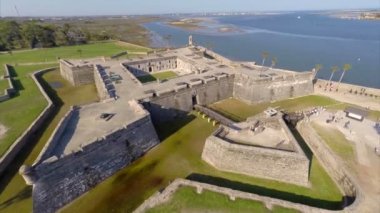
[261,147]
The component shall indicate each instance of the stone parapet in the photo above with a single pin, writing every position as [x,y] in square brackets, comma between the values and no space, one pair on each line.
[165,196]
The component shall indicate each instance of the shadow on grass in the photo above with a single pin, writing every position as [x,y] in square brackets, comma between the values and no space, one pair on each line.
[12,72]
[263,191]
[167,128]
[22,195]
[12,169]
[146,78]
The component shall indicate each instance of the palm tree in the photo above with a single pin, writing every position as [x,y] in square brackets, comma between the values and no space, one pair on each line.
[334,69]
[274,62]
[264,55]
[346,67]
[317,68]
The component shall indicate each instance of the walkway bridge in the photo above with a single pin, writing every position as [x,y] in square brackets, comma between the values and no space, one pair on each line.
[216,116]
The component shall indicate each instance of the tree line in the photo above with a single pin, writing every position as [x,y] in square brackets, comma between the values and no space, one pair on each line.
[35,34]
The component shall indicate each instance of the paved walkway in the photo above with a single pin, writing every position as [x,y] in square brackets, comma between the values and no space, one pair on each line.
[216,116]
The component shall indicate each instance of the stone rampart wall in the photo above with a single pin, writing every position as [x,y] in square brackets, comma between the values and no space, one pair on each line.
[11,89]
[77,75]
[257,161]
[55,136]
[60,180]
[21,141]
[332,164]
[173,103]
[103,83]
[165,196]
[252,90]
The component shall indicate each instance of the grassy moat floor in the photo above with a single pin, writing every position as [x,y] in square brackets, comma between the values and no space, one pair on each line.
[157,76]
[186,199]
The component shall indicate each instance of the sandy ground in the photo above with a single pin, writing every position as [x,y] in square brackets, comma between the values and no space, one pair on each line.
[344,95]
[366,168]
[3,130]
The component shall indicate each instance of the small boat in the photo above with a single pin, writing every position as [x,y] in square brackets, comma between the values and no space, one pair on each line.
[299,17]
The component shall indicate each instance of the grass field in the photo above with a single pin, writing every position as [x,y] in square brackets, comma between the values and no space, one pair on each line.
[15,196]
[239,111]
[3,85]
[52,54]
[20,111]
[157,76]
[184,140]
[185,199]
[336,141]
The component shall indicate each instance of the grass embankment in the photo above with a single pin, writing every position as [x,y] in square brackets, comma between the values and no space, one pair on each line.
[15,196]
[179,156]
[3,85]
[52,54]
[157,76]
[186,199]
[20,111]
[336,141]
[239,111]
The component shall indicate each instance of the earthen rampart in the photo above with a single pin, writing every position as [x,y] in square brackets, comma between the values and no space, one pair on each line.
[21,141]
[165,196]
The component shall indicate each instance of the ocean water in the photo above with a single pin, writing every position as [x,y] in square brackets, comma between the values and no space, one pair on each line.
[297,40]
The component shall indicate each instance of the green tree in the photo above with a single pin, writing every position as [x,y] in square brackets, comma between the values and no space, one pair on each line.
[317,68]
[264,56]
[334,69]
[274,62]
[10,35]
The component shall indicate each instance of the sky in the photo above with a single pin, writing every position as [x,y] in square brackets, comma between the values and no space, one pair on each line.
[136,7]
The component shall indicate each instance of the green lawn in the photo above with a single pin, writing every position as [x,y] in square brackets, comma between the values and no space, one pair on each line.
[3,86]
[157,76]
[186,199]
[336,141]
[179,156]
[239,111]
[16,196]
[52,54]
[19,112]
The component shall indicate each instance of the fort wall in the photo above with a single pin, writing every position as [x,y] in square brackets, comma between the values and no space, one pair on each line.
[26,136]
[272,88]
[11,89]
[165,196]
[332,164]
[75,74]
[169,104]
[61,179]
[256,161]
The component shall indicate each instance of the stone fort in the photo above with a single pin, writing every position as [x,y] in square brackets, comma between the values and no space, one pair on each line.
[93,142]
